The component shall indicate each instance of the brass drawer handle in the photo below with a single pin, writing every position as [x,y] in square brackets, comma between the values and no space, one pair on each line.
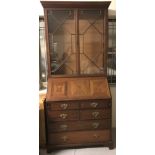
[65,138]
[64,106]
[63,127]
[96,136]
[63,116]
[95,125]
[94,104]
[95,114]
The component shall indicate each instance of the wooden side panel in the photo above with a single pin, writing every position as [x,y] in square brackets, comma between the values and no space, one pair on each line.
[42,139]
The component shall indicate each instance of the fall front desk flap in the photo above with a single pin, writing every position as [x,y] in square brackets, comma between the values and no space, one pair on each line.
[77,88]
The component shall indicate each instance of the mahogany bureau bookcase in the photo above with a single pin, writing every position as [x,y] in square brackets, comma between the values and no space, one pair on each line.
[78,105]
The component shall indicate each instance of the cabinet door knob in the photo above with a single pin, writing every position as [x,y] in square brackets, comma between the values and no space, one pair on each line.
[64,106]
[63,116]
[95,125]
[95,114]
[63,127]
[94,104]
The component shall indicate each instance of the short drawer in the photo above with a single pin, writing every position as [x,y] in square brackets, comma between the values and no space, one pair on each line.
[93,104]
[62,115]
[79,137]
[95,114]
[68,105]
[79,125]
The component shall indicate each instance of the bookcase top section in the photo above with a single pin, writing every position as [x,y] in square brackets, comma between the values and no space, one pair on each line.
[75,4]
[77,88]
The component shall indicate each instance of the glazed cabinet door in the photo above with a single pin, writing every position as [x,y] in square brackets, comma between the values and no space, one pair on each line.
[61,34]
[91,41]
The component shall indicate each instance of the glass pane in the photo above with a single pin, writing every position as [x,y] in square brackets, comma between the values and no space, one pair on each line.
[91,41]
[42,55]
[61,40]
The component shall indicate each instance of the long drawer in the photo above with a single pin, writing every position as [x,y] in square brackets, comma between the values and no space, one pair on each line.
[84,104]
[79,137]
[63,115]
[95,114]
[79,125]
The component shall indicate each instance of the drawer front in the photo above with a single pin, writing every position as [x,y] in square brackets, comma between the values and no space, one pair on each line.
[79,137]
[62,115]
[95,114]
[62,105]
[95,104]
[79,125]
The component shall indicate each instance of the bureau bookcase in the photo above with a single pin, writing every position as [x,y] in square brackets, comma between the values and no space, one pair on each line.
[78,105]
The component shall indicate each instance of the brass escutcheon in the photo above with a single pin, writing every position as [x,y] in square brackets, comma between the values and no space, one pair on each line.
[64,138]
[96,136]
[63,116]
[64,106]
[63,127]
[95,114]
[95,125]
[94,104]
